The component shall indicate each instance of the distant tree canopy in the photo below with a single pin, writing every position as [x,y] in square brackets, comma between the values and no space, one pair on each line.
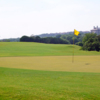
[10,40]
[91,42]
[52,40]
[69,38]
[58,39]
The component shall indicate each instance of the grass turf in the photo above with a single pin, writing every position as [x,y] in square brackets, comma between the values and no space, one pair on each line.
[21,84]
[53,63]
[40,49]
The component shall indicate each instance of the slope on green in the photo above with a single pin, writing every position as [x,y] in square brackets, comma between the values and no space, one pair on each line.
[54,63]
[21,84]
[40,49]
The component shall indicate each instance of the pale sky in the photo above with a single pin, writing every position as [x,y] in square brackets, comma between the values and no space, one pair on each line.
[27,17]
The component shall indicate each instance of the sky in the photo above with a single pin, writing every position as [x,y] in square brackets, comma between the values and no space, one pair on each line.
[34,17]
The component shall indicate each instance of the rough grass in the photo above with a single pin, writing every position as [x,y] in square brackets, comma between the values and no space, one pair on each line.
[21,84]
[40,49]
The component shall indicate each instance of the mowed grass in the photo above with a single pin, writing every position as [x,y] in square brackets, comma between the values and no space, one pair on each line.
[21,84]
[53,63]
[40,49]
[36,71]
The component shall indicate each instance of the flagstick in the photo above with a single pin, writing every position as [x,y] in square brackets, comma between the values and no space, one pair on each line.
[73,50]
[75,33]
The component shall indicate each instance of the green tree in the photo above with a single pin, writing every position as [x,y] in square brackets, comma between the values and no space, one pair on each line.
[37,39]
[24,39]
[88,36]
[91,42]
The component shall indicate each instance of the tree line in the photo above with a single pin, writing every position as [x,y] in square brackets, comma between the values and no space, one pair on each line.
[58,39]
[52,40]
[10,40]
[88,41]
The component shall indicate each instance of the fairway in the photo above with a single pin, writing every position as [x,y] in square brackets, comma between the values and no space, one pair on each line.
[53,63]
[13,49]
[21,84]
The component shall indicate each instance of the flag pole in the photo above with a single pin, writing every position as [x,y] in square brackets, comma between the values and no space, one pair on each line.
[75,33]
[73,49]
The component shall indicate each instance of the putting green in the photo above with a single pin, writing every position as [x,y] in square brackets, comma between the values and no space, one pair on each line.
[53,63]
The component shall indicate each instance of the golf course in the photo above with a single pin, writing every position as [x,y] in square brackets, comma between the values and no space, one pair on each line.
[39,71]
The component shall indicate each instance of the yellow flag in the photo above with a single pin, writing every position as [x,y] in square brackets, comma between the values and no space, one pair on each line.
[76,32]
